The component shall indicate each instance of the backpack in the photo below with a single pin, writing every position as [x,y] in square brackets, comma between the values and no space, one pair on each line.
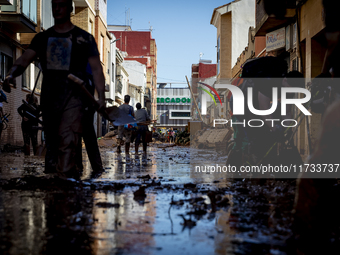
[130,126]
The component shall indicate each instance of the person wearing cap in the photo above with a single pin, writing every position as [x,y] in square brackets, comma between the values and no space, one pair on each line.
[128,109]
[141,116]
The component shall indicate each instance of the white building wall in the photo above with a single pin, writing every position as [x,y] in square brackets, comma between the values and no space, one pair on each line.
[243,17]
[101,6]
[112,69]
[137,73]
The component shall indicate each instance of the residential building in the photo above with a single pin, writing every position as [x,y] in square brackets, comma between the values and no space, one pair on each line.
[140,46]
[19,22]
[232,22]
[91,15]
[204,72]
[300,41]
[137,81]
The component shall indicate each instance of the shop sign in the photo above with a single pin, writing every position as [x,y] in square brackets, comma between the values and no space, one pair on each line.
[294,34]
[177,100]
[276,39]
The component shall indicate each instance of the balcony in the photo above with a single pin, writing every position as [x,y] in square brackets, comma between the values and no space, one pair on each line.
[6,2]
[21,17]
[266,23]
[81,3]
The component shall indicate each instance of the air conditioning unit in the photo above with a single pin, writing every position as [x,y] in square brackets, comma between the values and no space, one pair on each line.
[6,2]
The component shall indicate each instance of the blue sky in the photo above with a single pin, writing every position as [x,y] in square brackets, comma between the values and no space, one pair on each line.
[181,29]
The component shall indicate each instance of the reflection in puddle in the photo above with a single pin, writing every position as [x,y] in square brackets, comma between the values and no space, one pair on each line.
[88,220]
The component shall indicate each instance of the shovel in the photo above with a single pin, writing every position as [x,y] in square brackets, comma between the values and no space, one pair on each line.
[113,113]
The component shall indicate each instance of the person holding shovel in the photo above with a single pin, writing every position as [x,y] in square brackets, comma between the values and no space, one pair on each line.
[62,49]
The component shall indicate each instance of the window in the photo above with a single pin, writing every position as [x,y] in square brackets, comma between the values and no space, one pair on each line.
[108,64]
[26,77]
[295,66]
[47,17]
[29,9]
[112,76]
[36,73]
[180,114]
[218,55]
[6,63]
[91,27]
[101,47]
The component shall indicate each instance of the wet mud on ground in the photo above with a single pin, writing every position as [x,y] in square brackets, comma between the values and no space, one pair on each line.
[156,205]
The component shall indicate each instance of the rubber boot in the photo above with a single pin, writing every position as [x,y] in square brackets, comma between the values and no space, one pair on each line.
[144,149]
[127,149]
[136,148]
[27,150]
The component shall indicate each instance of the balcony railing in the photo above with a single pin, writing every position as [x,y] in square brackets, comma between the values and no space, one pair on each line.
[6,2]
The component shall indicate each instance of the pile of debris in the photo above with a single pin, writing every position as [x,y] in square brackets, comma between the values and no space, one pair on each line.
[109,140]
[213,138]
[183,138]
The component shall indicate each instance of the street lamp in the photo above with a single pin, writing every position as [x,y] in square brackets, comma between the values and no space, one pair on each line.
[115,40]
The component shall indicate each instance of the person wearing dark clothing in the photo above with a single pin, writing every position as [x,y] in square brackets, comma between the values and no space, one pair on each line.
[89,134]
[141,115]
[62,49]
[29,124]
[128,109]
[1,115]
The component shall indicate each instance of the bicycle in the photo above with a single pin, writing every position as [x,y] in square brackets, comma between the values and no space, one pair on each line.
[4,121]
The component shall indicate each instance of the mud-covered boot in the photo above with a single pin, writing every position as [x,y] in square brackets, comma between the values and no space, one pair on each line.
[136,148]
[27,150]
[127,149]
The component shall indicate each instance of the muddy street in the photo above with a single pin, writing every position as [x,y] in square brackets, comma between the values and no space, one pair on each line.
[141,206]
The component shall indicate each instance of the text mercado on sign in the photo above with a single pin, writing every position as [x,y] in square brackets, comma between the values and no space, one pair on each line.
[177,100]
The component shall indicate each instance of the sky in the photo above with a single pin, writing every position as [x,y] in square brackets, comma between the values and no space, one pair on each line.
[181,29]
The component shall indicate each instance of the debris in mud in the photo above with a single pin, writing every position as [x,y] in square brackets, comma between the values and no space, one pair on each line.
[139,195]
[187,223]
[144,177]
[180,202]
[189,186]
[107,205]
[183,138]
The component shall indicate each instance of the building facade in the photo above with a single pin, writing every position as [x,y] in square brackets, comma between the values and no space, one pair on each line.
[232,22]
[298,37]
[140,46]
[20,21]
[173,107]
[137,81]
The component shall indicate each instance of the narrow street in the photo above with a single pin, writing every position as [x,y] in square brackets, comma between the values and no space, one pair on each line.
[138,206]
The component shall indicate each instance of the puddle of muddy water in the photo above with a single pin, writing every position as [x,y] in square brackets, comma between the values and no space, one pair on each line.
[98,221]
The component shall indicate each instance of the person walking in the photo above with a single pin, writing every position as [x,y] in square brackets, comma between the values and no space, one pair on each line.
[62,49]
[141,116]
[122,131]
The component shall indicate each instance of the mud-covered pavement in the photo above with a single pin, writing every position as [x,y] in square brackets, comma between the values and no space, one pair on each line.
[141,206]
